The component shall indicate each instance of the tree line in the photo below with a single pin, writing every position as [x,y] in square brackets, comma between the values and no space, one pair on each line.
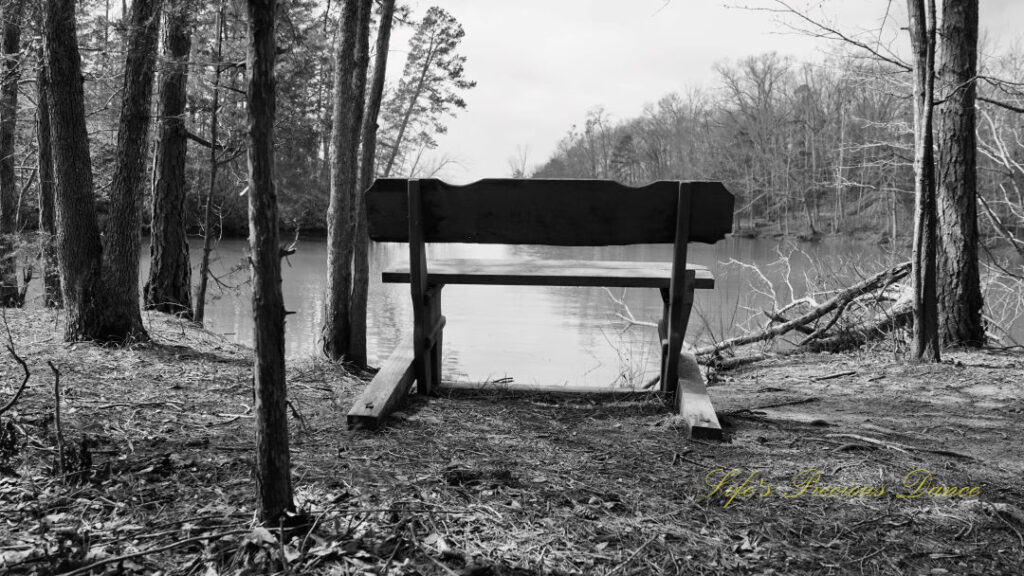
[807,147]
[861,142]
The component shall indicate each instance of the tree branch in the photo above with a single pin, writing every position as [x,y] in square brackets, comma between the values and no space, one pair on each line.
[202,141]
[1010,107]
[833,34]
[24,382]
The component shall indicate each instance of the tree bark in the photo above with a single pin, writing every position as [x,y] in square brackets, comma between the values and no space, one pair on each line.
[122,240]
[169,286]
[926,312]
[9,293]
[273,476]
[79,251]
[367,168]
[52,297]
[204,265]
[959,290]
[349,86]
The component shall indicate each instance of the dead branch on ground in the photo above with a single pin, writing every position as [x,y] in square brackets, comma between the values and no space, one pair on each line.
[876,283]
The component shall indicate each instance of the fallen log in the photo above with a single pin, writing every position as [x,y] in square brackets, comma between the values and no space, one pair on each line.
[879,281]
[776,317]
[723,364]
[898,316]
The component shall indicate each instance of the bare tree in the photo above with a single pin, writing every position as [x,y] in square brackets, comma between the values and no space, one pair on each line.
[199,312]
[273,461]
[926,311]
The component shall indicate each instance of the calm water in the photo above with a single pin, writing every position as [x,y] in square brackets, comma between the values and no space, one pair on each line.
[542,335]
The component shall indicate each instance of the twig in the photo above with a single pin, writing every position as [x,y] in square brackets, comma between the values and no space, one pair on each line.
[23,382]
[56,417]
[297,415]
[790,403]
[105,561]
[869,440]
[836,375]
[821,331]
[7,327]
[633,555]
[628,316]
[999,510]
[777,317]
[415,543]
[904,448]
[679,457]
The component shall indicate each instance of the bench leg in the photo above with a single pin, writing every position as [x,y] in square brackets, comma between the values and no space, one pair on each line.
[427,341]
[663,339]
[438,321]
[671,330]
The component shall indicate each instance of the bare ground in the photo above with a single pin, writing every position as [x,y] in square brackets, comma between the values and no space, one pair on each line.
[494,482]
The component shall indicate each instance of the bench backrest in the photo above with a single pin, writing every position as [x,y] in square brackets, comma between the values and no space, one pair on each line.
[551,212]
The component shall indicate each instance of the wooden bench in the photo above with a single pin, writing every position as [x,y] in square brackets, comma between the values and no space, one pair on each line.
[548,212]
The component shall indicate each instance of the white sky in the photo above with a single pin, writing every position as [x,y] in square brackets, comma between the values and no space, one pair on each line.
[540,65]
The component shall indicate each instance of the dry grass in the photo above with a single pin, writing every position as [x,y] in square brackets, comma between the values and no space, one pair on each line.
[502,483]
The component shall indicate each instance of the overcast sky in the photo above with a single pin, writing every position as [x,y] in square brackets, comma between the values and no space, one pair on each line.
[540,65]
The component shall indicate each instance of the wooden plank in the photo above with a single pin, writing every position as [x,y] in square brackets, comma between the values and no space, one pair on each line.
[680,291]
[531,388]
[385,392]
[693,402]
[422,305]
[551,273]
[551,212]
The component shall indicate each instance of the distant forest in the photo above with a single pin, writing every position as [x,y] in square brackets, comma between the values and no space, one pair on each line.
[806,147]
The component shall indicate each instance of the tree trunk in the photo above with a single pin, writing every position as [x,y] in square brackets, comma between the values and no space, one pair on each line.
[959,291]
[361,277]
[838,210]
[9,294]
[123,233]
[79,251]
[926,312]
[273,475]
[169,286]
[204,265]
[47,230]
[349,86]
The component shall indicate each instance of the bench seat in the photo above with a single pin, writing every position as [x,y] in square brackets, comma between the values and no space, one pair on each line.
[511,272]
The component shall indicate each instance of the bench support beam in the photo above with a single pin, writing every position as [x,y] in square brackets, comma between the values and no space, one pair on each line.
[386,391]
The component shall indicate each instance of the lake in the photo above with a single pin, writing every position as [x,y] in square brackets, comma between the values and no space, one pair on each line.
[546,335]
